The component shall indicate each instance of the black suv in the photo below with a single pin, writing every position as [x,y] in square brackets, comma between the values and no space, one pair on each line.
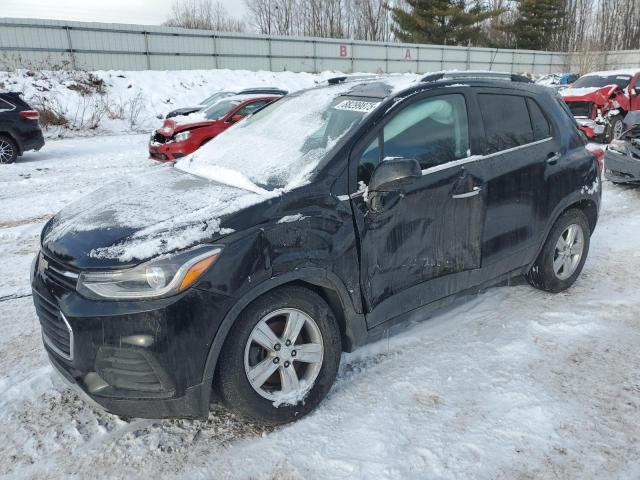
[19,127]
[306,230]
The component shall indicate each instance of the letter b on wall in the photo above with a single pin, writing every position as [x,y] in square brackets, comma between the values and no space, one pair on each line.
[343,51]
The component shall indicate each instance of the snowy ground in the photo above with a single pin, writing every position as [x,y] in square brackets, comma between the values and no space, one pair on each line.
[516,384]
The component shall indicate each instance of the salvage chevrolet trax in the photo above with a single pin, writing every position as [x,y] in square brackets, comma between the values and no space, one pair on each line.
[307,229]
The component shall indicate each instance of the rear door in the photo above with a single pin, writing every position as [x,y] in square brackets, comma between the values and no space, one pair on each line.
[431,229]
[518,148]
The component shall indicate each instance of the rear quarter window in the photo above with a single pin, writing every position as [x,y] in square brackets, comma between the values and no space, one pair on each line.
[506,121]
[541,127]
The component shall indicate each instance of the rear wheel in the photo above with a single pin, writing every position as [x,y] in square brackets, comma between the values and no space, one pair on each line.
[281,357]
[563,255]
[8,150]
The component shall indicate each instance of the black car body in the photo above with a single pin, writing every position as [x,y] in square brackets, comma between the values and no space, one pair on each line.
[220,96]
[19,127]
[622,158]
[431,233]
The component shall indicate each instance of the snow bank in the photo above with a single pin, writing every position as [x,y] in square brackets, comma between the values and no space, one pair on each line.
[121,101]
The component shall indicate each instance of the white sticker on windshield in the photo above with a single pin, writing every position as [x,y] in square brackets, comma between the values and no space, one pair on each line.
[356,106]
[623,77]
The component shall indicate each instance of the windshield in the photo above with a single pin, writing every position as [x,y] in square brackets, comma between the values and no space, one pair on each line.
[589,81]
[220,109]
[282,144]
[215,97]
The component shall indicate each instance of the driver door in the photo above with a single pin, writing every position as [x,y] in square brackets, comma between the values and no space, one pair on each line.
[416,243]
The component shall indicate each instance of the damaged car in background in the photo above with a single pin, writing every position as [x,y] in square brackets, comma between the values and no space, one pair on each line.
[622,159]
[600,100]
[216,97]
[310,228]
[180,136]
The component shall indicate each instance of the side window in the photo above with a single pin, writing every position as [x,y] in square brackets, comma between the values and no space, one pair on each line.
[5,106]
[433,131]
[250,108]
[541,127]
[506,121]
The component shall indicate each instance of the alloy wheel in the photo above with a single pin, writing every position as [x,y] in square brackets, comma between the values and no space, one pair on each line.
[618,128]
[283,355]
[6,151]
[568,252]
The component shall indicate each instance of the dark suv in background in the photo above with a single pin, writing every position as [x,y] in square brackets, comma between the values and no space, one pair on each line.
[306,230]
[19,127]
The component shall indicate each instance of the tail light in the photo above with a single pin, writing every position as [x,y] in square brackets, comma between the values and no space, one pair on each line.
[598,153]
[29,114]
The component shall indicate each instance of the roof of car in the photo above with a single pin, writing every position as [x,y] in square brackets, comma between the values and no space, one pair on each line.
[387,86]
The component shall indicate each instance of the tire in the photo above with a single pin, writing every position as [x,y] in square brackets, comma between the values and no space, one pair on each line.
[544,274]
[241,354]
[8,150]
[615,127]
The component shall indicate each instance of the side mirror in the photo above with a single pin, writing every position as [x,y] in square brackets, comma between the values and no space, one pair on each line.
[235,118]
[391,174]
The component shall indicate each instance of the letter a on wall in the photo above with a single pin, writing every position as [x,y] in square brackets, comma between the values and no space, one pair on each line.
[407,54]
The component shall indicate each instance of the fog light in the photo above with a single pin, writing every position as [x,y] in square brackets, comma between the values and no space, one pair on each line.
[138,340]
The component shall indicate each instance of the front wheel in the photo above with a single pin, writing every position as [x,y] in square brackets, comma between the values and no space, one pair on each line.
[564,253]
[281,357]
[615,128]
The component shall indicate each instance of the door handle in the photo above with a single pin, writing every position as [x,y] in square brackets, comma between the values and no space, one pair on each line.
[553,158]
[472,193]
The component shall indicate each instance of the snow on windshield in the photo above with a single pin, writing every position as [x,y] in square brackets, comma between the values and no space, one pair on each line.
[281,145]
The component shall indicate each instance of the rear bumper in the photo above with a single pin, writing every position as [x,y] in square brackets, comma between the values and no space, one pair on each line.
[32,141]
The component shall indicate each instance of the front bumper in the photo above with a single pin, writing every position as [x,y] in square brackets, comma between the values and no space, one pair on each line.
[142,359]
[591,128]
[621,168]
[169,152]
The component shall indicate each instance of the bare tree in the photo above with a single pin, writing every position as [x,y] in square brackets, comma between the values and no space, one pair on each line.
[204,15]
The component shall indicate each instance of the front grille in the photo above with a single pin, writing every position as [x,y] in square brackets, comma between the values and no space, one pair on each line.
[58,273]
[130,369]
[159,138]
[56,331]
[581,109]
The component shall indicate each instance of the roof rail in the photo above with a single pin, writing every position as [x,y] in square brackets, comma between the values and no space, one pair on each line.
[476,74]
[352,78]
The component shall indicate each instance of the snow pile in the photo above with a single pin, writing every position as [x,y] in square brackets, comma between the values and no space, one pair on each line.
[77,102]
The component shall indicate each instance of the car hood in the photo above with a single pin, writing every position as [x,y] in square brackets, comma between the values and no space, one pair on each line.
[137,218]
[598,95]
[178,124]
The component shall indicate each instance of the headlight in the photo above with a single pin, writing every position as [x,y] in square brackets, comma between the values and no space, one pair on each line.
[182,136]
[618,146]
[160,277]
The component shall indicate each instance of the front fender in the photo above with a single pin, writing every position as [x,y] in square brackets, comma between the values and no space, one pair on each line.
[354,323]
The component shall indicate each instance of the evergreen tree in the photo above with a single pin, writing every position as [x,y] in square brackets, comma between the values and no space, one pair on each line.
[442,22]
[538,23]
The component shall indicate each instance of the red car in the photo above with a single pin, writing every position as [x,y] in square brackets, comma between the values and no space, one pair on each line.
[600,100]
[180,136]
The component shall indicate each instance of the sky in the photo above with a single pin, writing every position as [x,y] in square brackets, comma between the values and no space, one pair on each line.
[146,12]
